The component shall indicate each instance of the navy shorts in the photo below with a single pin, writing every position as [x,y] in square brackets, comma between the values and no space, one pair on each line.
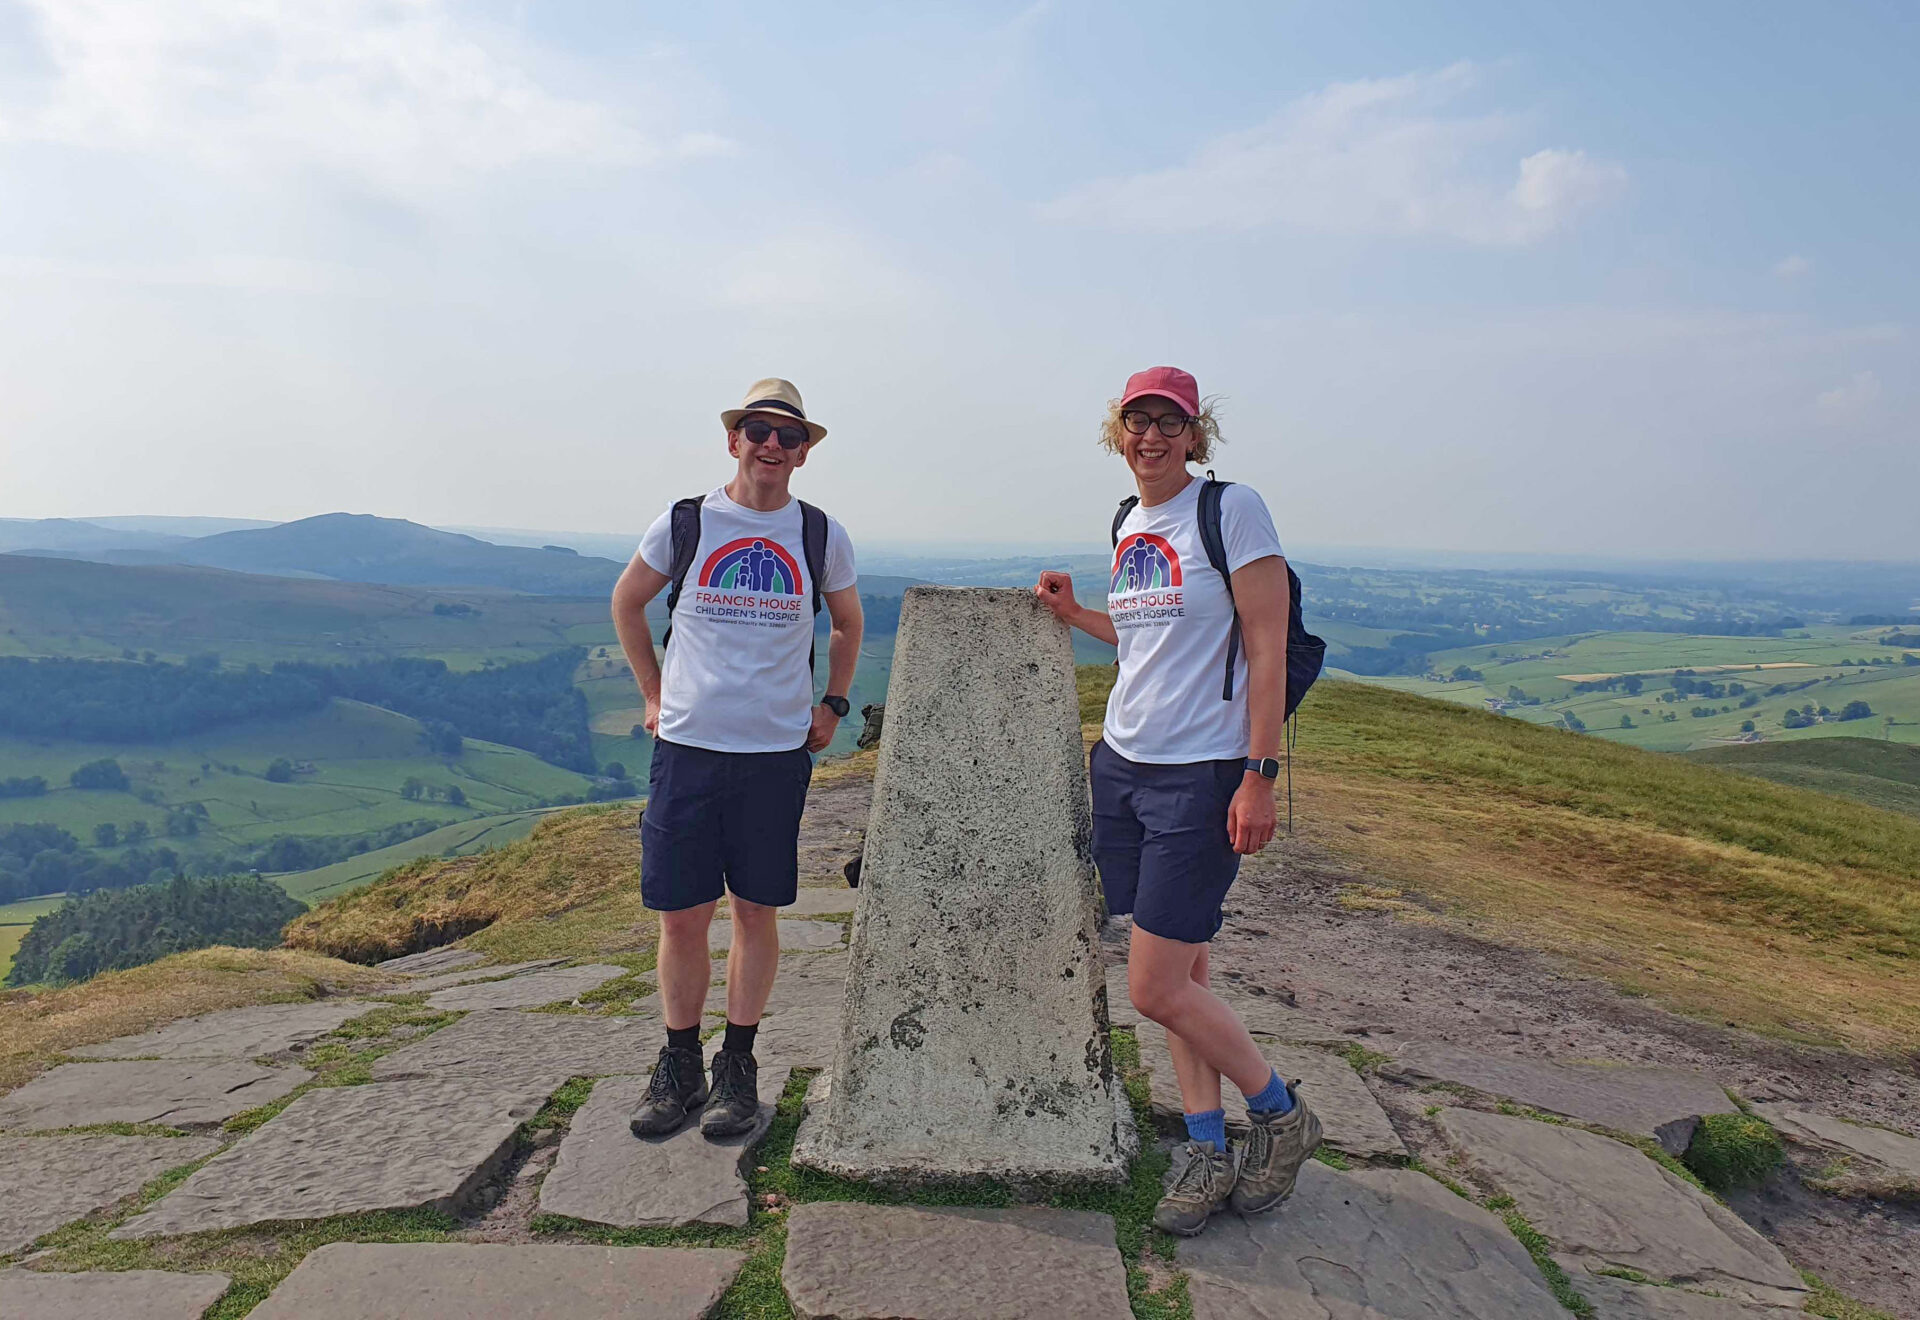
[722,818]
[1160,840]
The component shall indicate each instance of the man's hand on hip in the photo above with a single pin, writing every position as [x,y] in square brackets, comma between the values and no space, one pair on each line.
[824,724]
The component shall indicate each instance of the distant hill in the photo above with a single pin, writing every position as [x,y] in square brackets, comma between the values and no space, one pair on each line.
[1880,774]
[74,607]
[70,536]
[358,547]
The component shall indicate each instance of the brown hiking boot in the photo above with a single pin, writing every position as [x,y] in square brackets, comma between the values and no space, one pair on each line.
[1270,1161]
[1200,1192]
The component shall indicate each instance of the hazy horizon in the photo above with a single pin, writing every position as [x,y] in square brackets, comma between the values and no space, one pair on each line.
[1630,285]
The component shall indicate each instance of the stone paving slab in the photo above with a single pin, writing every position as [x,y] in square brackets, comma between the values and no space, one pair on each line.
[500,1042]
[608,1176]
[122,1295]
[1604,1205]
[354,1149]
[168,1092]
[1663,1103]
[795,934]
[1351,1118]
[480,972]
[1373,1244]
[1872,1161]
[554,986]
[1120,1009]
[463,1281]
[234,1033]
[429,960]
[1617,1299]
[48,1181]
[798,1038]
[850,1261]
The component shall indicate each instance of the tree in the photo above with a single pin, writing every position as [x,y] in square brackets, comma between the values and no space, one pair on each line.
[442,738]
[30,786]
[456,796]
[136,831]
[413,789]
[106,835]
[1856,710]
[102,774]
[1626,721]
[1633,683]
[1465,674]
[640,730]
[1746,726]
[614,770]
[280,771]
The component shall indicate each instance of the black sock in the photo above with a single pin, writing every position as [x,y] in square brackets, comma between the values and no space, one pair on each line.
[684,1038]
[739,1039]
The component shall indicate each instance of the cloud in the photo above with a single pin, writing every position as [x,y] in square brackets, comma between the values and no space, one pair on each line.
[1379,156]
[399,94]
[1851,399]
[1792,267]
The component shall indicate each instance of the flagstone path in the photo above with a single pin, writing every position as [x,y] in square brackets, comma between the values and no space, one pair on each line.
[443,1123]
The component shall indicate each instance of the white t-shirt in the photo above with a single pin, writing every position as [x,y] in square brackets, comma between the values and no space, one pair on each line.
[1173,615]
[736,677]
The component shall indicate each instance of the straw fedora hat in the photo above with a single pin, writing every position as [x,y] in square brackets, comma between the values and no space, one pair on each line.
[776,396]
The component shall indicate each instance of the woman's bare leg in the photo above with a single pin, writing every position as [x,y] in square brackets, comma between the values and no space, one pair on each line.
[1167,981]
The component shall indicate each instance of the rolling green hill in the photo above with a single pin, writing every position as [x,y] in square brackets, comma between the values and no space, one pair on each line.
[458,840]
[1880,774]
[360,757]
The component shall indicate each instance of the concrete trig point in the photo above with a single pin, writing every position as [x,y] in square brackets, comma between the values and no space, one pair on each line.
[973,1038]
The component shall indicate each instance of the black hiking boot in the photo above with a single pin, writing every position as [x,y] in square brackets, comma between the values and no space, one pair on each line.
[679,1087]
[735,1106]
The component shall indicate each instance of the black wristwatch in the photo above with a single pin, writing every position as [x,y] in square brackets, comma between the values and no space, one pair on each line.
[838,705]
[1270,768]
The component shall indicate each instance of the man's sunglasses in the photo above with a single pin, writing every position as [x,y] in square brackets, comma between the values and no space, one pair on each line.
[1170,425]
[791,437]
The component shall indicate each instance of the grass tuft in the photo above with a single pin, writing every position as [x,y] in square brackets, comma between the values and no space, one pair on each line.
[1542,1252]
[1734,1150]
[1833,1304]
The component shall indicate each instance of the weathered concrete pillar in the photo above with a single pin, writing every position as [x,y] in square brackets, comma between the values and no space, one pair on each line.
[973,1036]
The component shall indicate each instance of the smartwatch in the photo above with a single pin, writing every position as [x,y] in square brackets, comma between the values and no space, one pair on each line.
[840,706]
[1268,768]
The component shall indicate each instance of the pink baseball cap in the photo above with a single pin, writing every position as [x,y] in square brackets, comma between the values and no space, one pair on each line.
[1168,383]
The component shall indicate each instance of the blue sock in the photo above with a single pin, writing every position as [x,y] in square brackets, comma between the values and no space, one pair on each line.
[1210,1126]
[1273,1099]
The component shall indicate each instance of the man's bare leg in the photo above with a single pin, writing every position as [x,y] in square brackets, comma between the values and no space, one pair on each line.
[684,966]
[753,961]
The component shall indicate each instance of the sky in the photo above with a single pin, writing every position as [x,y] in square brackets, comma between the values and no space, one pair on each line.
[1631,280]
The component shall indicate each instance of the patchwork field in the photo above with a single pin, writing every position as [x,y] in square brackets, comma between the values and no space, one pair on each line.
[15,920]
[457,840]
[360,757]
[1827,666]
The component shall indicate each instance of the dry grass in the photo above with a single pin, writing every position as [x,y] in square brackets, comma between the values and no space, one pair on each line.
[572,860]
[36,1026]
[1712,892]
[1720,895]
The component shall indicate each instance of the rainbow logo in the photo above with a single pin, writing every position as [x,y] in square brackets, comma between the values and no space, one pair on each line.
[752,564]
[1144,562]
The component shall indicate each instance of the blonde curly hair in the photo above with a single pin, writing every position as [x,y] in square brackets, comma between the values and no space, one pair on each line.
[1202,434]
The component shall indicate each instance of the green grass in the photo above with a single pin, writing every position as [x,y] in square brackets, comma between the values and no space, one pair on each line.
[16,919]
[1878,774]
[1833,1304]
[1542,1252]
[1733,1150]
[456,840]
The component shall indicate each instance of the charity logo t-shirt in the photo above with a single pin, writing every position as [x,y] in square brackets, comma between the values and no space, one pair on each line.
[736,677]
[1173,616]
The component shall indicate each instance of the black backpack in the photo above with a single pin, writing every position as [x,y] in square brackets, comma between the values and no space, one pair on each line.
[1305,652]
[685,526]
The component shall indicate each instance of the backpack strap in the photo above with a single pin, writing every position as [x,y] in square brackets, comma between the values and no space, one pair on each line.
[813,548]
[684,523]
[1120,516]
[1213,540]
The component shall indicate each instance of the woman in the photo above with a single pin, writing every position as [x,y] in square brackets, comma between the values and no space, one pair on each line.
[1183,776]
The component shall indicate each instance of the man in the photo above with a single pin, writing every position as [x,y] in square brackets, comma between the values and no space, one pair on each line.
[734,726]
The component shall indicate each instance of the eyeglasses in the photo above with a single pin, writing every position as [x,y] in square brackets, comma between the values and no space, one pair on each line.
[791,437]
[1170,425]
